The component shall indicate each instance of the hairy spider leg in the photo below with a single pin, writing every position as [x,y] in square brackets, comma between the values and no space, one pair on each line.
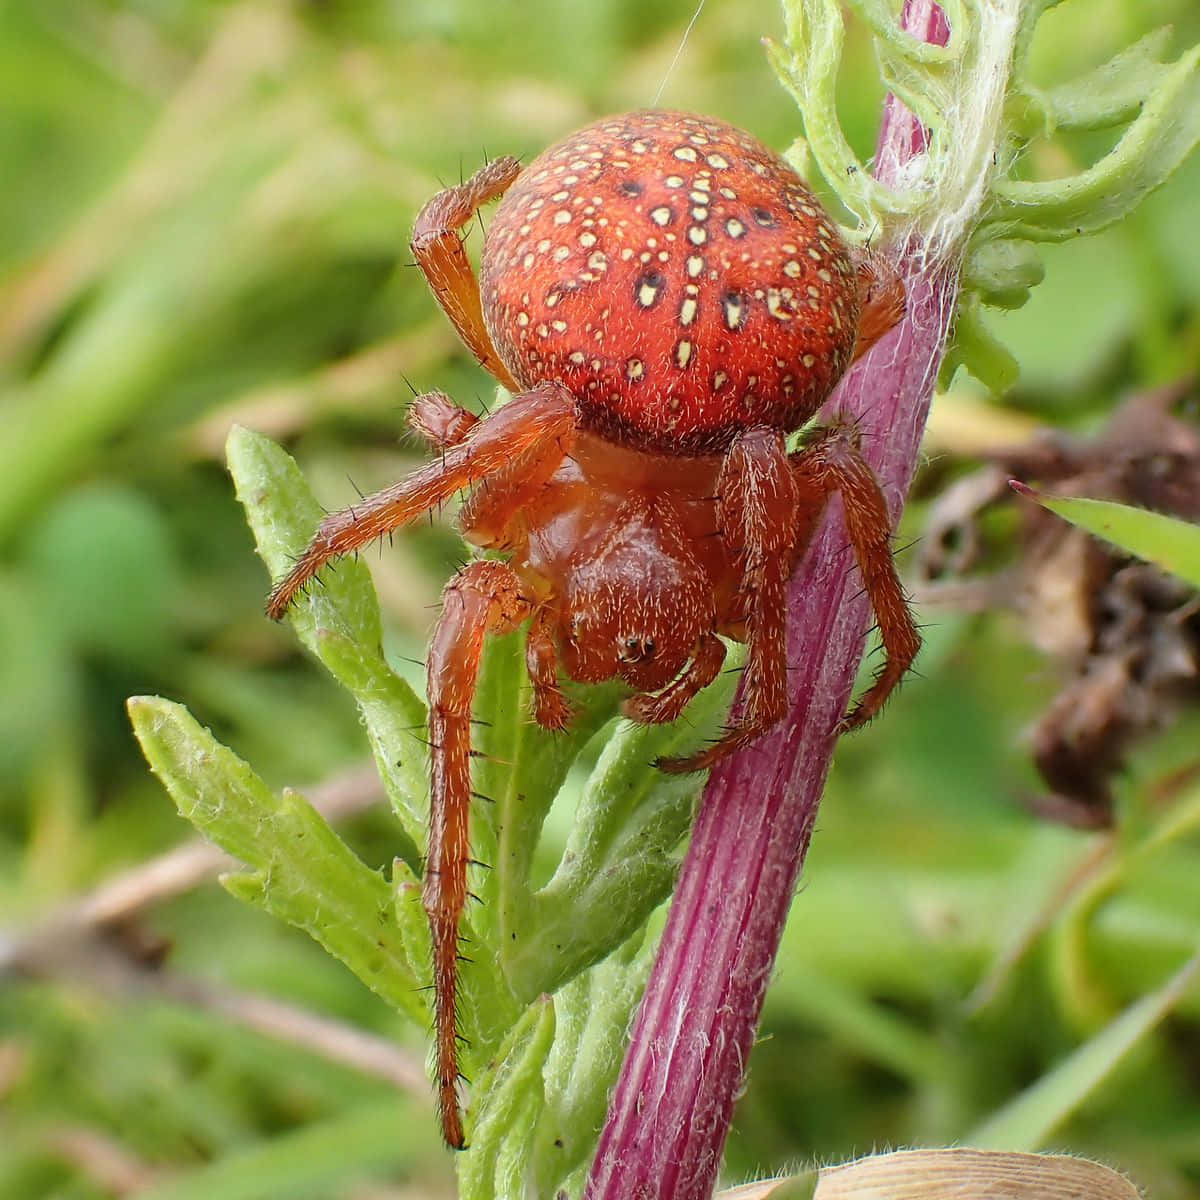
[541,417]
[832,463]
[436,418]
[655,708]
[483,598]
[881,300]
[438,249]
[759,509]
[753,500]
[551,708]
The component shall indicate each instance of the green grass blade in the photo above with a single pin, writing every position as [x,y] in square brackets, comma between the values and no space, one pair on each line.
[1169,542]
[1027,1121]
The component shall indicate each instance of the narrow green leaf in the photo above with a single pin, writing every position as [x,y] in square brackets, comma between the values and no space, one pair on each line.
[338,622]
[283,515]
[1169,542]
[310,1161]
[510,1099]
[521,773]
[1027,1121]
[302,872]
[395,720]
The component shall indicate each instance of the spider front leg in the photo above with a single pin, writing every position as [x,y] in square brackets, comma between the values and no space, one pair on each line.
[436,418]
[881,300]
[661,708]
[438,249]
[832,463]
[540,421]
[551,709]
[484,597]
[759,516]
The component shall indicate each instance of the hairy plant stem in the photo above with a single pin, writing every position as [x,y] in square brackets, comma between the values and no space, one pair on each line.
[671,1109]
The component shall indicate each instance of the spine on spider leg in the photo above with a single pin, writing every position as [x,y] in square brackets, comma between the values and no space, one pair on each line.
[536,418]
[453,669]
[484,597]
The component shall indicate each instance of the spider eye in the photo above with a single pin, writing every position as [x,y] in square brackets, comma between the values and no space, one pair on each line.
[639,648]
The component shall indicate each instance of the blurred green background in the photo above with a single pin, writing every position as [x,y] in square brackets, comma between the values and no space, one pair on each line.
[204,211]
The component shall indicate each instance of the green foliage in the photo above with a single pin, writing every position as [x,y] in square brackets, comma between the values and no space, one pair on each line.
[978,99]
[203,224]
[1172,544]
[526,942]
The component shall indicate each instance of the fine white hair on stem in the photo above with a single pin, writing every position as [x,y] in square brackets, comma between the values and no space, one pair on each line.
[957,91]
[965,154]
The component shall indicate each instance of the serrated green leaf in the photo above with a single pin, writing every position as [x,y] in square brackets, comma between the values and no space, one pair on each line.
[283,515]
[302,871]
[1166,541]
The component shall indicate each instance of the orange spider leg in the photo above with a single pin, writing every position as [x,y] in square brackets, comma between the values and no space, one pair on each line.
[880,298]
[489,512]
[663,707]
[484,597]
[759,508]
[551,709]
[833,463]
[441,422]
[494,514]
[542,417]
[438,249]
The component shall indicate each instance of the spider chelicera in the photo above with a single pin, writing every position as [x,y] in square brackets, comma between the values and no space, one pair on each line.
[666,301]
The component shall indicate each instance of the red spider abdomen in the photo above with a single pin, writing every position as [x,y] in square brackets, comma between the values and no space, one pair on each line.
[676,276]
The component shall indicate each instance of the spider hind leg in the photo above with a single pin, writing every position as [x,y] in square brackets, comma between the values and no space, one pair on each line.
[483,598]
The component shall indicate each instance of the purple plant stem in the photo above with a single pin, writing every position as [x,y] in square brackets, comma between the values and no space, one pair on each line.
[671,1109]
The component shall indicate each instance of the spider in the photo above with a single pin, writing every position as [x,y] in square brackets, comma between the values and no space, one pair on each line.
[666,301]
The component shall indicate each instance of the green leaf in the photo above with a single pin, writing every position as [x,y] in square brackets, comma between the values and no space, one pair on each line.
[509,1100]
[1166,541]
[975,348]
[619,862]
[1003,271]
[338,621]
[395,720]
[594,1012]
[283,515]
[1165,133]
[1114,92]
[369,1136]
[302,872]
[1028,1121]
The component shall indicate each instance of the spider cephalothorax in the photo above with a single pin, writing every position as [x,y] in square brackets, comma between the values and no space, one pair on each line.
[666,301]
